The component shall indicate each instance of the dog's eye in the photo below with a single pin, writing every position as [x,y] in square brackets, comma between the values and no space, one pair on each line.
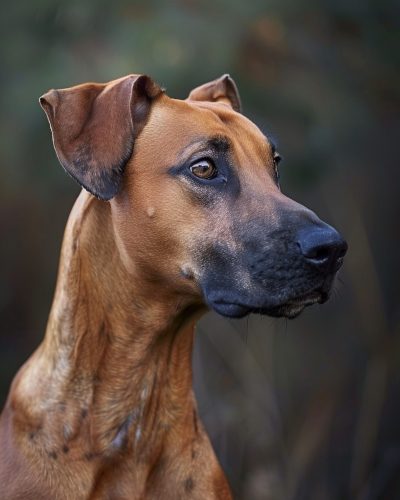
[204,169]
[277,158]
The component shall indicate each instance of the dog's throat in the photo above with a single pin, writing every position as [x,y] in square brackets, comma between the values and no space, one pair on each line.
[113,378]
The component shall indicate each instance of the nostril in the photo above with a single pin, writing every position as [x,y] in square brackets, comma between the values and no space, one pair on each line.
[320,253]
[322,246]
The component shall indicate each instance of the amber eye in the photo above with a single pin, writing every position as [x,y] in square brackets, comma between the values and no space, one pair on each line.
[204,169]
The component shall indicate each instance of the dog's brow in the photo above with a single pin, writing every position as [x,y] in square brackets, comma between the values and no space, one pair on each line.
[218,142]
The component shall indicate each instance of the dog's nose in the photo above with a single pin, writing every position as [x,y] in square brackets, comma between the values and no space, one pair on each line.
[323,247]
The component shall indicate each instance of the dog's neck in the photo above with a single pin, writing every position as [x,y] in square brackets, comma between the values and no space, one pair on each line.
[115,366]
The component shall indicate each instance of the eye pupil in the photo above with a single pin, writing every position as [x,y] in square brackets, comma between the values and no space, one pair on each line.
[204,169]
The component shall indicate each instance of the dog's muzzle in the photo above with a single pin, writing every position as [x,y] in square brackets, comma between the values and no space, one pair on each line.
[288,270]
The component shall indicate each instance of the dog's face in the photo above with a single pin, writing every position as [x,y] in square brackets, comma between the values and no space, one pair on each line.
[201,188]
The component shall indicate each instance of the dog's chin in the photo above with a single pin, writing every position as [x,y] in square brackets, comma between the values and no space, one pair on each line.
[289,309]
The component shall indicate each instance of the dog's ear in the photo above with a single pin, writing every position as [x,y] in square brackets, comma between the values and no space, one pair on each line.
[94,126]
[222,89]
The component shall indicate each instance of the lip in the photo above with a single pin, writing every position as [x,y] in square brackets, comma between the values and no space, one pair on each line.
[230,309]
[289,309]
[306,300]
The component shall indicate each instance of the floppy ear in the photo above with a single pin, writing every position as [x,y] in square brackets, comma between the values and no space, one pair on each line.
[94,126]
[222,89]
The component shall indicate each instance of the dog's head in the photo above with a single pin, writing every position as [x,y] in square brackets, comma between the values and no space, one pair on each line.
[194,194]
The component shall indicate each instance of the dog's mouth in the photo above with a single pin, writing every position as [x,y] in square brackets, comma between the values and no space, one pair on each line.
[289,309]
[294,307]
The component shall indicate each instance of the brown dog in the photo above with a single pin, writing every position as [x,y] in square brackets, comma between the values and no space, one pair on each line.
[104,408]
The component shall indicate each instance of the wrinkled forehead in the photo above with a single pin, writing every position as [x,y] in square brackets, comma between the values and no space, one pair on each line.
[176,127]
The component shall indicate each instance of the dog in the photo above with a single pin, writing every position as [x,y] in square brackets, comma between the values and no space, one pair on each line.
[181,212]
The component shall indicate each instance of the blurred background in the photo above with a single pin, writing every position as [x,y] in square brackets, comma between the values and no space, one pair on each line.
[305,409]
